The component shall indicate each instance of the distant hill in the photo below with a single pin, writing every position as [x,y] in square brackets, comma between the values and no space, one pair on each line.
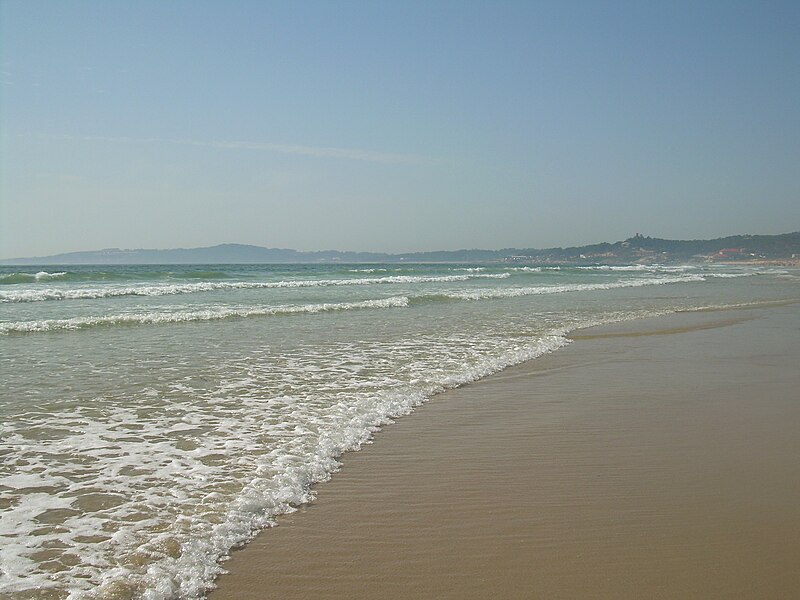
[221,254]
[648,249]
[635,249]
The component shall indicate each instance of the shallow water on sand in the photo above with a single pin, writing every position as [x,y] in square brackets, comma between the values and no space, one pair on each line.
[651,459]
[155,417]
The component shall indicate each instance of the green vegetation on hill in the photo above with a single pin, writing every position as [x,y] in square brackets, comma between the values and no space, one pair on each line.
[648,249]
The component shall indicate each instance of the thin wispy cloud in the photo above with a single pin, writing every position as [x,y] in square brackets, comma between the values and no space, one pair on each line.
[313,151]
[325,151]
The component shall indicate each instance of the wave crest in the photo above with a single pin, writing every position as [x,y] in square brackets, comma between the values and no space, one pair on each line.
[192,315]
[41,295]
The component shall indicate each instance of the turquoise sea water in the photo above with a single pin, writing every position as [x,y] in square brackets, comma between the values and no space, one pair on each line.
[153,417]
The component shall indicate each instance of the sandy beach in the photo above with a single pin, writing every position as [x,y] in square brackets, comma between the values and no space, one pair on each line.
[650,459]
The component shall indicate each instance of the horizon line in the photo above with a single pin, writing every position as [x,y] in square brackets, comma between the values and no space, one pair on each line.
[188,249]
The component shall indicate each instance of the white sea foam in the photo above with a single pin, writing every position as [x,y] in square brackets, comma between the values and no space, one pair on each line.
[45,275]
[22,277]
[512,292]
[643,268]
[217,313]
[183,316]
[131,470]
[81,293]
[730,275]
[373,270]
[166,520]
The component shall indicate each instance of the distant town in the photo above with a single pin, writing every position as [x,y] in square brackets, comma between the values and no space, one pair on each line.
[783,249]
[754,249]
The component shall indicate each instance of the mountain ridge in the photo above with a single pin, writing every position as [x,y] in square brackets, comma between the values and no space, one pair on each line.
[638,248]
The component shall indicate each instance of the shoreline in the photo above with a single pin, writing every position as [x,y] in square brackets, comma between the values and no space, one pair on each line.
[551,478]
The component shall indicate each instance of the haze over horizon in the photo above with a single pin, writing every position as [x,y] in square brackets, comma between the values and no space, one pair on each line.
[374,126]
[358,250]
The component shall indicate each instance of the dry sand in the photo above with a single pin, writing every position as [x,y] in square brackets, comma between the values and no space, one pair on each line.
[664,465]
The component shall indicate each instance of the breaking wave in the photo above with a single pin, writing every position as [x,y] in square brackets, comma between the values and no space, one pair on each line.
[513,292]
[40,295]
[211,314]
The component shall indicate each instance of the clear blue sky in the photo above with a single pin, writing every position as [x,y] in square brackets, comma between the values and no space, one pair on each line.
[395,126]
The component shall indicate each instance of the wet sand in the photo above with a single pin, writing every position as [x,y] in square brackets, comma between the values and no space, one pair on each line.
[653,459]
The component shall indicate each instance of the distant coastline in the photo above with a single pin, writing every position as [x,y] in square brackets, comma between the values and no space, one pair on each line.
[782,250]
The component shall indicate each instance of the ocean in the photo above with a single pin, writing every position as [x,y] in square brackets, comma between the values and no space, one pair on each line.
[155,417]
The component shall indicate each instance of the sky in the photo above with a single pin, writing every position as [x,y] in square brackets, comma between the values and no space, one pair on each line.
[394,126]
